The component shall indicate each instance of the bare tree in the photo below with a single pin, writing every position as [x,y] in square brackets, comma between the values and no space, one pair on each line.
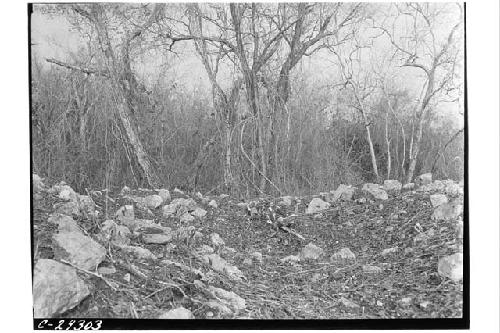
[117,68]
[422,48]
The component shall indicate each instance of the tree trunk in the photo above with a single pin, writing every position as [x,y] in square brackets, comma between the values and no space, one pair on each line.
[419,130]
[228,179]
[388,144]
[441,150]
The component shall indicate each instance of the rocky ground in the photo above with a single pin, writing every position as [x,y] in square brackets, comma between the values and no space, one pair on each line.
[379,251]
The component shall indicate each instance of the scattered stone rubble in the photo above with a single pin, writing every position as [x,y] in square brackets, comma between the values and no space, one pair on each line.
[58,286]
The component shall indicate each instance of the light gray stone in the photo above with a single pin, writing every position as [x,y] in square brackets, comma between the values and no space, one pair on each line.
[452,188]
[205,249]
[447,212]
[222,266]
[375,191]
[343,192]
[137,251]
[344,254]
[67,208]
[186,218]
[257,256]
[230,298]
[452,266]
[56,288]
[82,251]
[179,207]
[392,185]
[156,238]
[286,201]
[64,223]
[106,270]
[153,201]
[38,185]
[389,251]
[125,214]
[291,258]
[165,195]
[317,205]
[178,313]
[369,269]
[199,212]
[424,179]
[408,186]
[438,199]
[216,240]
[348,303]
[311,251]
[219,306]
[87,206]
[213,204]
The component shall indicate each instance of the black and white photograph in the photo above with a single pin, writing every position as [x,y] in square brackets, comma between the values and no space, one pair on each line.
[249,165]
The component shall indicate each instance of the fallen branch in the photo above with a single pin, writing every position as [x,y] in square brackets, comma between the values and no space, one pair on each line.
[86,70]
[112,285]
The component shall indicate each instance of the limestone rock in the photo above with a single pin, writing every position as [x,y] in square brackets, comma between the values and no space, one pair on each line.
[452,189]
[438,199]
[388,251]
[216,240]
[257,256]
[408,186]
[67,193]
[56,288]
[38,185]
[424,179]
[375,191]
[184,233]
[343,192]
[67,208]
[186,218]
[165,195]
[125,214]
[436,186]
[80,250]
[179,207]
[291,258]
[348,303]
[317,205]
[247,262]
[137,251]
[105,270]
[221,308]
[447,212]
[178,313]
[213,204]
[199,212]
[205,249]
[87,206]
[178,191]
[156,238]
[391,185]
[222,266]
[452,266]
[125,190]
[65,223]
[153,201]
[369,269]
[148,227]
[344,254]
[286,201]
[229,298]
[311,251]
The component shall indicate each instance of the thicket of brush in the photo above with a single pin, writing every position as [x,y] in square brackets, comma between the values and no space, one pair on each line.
[76,137]
[303,135]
